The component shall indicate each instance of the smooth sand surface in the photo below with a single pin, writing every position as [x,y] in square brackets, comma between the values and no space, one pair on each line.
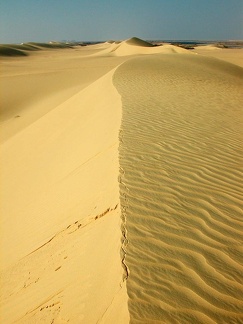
[32,86]
[163,122]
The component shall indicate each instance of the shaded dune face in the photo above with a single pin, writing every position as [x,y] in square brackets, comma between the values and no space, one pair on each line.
[24,49]
[181,188]
[11,51]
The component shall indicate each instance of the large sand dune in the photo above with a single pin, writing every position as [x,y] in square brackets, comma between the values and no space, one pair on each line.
[170,121]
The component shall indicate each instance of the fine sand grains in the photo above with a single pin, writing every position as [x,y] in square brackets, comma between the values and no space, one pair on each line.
[181,188]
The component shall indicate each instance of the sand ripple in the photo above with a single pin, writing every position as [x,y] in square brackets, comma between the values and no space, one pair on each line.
[181,185]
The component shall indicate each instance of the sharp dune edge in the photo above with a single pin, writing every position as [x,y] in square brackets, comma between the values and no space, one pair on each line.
[121,186]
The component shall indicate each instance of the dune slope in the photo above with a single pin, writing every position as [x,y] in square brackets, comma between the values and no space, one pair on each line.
[60,247]
[138,42]
[181,188]
[234,56]
[33,86]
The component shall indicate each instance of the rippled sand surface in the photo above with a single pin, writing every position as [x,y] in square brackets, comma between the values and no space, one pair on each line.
[181,188]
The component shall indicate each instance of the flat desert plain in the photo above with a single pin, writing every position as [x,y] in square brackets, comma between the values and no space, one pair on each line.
[121,184]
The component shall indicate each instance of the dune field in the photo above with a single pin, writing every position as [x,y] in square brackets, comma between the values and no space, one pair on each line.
[121,184]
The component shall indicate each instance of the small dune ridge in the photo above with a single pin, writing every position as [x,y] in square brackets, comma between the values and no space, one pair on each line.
[181,188]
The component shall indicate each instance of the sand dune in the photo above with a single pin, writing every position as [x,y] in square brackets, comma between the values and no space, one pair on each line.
[69,238]
[9,51]
[210,47]
[136,46]
[59,217]
[24,49]
[33,88]
[181,188]
[138,42]
[234,56]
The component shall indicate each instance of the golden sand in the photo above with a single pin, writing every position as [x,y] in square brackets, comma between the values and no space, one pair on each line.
[161,122]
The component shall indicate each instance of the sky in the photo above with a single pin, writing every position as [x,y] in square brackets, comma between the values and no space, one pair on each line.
[100,20]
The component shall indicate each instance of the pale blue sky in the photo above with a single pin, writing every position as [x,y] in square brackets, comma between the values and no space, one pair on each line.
[94,20]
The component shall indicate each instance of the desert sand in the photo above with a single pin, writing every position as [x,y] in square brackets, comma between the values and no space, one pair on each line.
[231,55]
[121,184]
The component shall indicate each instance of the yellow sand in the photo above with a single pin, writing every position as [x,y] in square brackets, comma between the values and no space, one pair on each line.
[61,240]
[60,212]
[234,56]
[181,161]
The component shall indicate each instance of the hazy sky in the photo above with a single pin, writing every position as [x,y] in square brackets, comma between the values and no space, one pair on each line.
[45,20]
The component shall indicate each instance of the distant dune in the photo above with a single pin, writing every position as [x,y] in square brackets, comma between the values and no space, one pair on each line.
[121,184]
[136,46]
[23,49]
[138,42]
[6,50]
[208,47]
